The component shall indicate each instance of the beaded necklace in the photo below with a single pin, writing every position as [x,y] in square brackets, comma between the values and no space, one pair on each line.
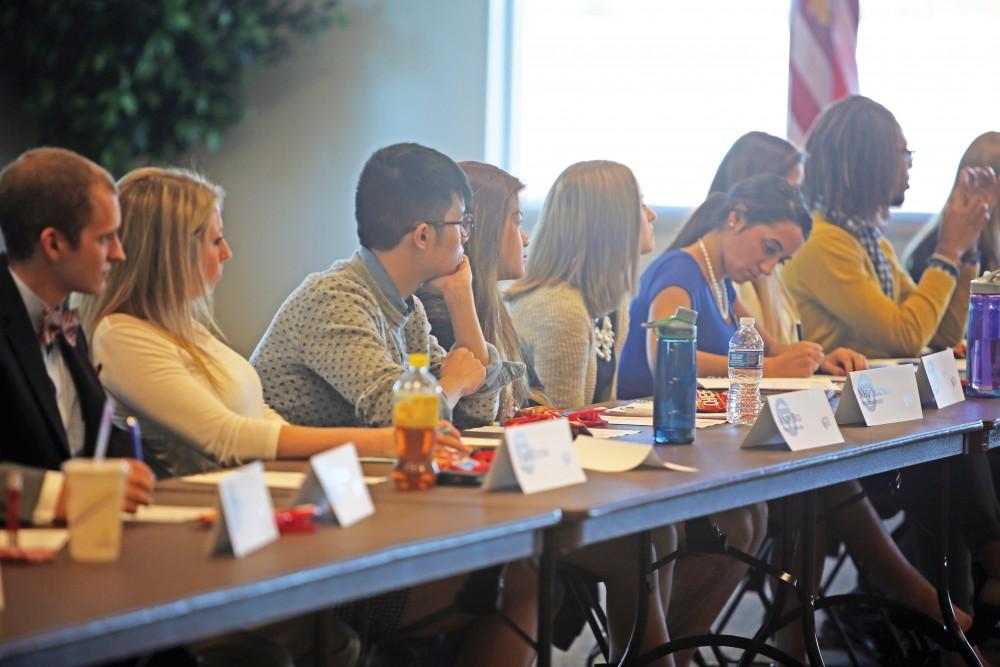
[718,288]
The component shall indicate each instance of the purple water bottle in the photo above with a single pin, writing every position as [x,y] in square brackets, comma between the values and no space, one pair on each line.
[984,335]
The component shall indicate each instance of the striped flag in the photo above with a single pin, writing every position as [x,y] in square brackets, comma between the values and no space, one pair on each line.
[822,67]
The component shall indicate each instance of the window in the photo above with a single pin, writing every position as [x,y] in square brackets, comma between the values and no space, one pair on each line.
[935,66]
[666,87]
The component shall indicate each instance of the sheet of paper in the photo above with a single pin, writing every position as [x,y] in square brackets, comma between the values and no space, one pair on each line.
[777,384]
[603,456]
[37,538]
[705,423]
[640,408]
[609,433]
[375,480]
[481,442]
[273,479]
[167,514]
[492,428]
[628,421]
[880,363]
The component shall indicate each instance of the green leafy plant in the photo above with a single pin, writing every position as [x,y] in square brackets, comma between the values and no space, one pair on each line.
[129,81]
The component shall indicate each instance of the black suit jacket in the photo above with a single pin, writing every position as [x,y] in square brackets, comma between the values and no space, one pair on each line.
[31,430]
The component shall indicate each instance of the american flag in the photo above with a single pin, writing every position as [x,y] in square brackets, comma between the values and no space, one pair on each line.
[822,67]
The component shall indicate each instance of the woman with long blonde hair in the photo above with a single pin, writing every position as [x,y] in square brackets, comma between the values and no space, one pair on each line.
[570,309]
[200,403]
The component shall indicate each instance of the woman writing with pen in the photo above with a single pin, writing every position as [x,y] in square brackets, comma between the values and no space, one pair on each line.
[200,403]
[733,237]
[740,236]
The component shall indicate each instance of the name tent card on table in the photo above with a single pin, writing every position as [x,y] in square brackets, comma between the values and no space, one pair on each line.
[535,457]
[938,380]
[246,515]
[880,396]
[799,419]
[335,478]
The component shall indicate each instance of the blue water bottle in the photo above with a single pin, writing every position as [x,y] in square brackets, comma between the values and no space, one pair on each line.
[675,380]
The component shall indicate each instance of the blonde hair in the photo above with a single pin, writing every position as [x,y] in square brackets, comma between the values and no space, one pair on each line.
[165,213]
[588,236]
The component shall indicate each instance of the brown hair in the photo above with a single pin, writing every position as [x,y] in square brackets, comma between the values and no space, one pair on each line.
[852,161]
[494,191]
[47,187]
[984,151]
[753,154]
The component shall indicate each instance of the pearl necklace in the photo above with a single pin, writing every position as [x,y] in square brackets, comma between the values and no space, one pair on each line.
[718,288]
[605,338]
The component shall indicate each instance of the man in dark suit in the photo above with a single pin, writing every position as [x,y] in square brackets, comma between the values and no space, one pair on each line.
[59,216]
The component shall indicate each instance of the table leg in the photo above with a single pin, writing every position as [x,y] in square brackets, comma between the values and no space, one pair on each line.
[807,590]
[546,580]
[944,594]
[643,593]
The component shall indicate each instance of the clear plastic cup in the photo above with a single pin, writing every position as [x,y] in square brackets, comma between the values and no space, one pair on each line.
[94,494]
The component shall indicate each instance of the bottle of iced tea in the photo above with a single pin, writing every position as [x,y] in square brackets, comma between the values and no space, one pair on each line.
[416,397]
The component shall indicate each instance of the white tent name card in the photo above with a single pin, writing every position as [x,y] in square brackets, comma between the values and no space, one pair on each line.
[938,380]
[335,478]
[602,455]
[535,457]
[880,396]
[246,515]
[799,419]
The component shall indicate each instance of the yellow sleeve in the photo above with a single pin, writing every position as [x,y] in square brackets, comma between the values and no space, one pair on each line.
[839,280]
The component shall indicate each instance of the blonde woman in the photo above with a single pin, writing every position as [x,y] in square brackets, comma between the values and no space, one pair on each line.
[570,310]
[200,403]
[570,307]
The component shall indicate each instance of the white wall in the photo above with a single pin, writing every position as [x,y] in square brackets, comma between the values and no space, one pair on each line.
[402,70]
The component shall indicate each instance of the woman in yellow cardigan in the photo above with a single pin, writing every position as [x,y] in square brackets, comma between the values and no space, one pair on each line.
[852,291]
[850,288]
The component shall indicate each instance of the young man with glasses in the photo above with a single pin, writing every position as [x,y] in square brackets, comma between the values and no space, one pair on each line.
[338,344]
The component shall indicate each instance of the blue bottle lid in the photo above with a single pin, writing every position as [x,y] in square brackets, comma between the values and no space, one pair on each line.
[679,326]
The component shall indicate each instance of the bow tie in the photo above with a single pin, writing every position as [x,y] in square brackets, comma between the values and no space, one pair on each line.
[59,322]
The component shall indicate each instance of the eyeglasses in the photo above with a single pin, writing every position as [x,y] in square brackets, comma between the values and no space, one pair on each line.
[466,224]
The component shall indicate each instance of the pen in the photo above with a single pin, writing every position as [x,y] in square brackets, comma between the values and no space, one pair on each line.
[14,485]
[798,331]
[135,436]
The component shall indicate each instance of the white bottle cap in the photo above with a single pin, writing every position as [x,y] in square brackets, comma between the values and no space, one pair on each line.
[747,321]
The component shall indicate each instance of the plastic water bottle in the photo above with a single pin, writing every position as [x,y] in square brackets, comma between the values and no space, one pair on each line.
[984,335]
[416,398]
[675,381]
[746,368]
